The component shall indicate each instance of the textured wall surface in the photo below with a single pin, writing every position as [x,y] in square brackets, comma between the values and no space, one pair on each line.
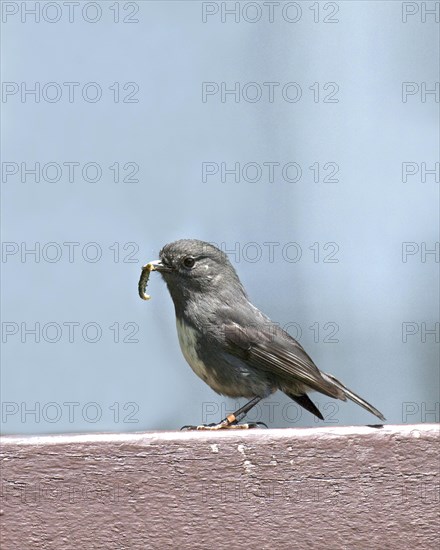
[334,488]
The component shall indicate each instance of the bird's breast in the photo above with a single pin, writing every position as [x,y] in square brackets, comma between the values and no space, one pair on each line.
[188,344]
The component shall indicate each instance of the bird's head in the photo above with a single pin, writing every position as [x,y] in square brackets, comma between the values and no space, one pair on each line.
[191,267]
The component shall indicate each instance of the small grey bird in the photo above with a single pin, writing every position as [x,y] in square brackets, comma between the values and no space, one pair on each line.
[230,344]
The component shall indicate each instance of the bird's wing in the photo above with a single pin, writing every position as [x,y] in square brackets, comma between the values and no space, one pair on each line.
[277,353]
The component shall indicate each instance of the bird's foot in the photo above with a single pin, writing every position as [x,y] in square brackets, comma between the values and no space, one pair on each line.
[224,426]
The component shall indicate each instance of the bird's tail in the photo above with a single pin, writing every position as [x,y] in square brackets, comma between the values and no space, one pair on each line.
[351,395]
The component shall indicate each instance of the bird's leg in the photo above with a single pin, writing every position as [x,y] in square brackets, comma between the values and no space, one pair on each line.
[242,412]
[231,421]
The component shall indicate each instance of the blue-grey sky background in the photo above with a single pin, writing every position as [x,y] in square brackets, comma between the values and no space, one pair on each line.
[370,299]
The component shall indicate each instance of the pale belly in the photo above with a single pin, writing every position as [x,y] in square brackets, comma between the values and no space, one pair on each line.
[188,341]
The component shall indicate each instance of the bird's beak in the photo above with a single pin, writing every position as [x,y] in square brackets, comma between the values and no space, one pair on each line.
[156,265]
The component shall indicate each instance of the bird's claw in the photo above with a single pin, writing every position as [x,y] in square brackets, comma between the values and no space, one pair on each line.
[224,426]
[258,425]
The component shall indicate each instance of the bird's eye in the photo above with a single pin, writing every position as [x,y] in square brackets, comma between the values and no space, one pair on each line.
[189,262]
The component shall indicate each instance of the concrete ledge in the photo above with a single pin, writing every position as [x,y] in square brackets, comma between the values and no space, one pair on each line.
[333,488]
